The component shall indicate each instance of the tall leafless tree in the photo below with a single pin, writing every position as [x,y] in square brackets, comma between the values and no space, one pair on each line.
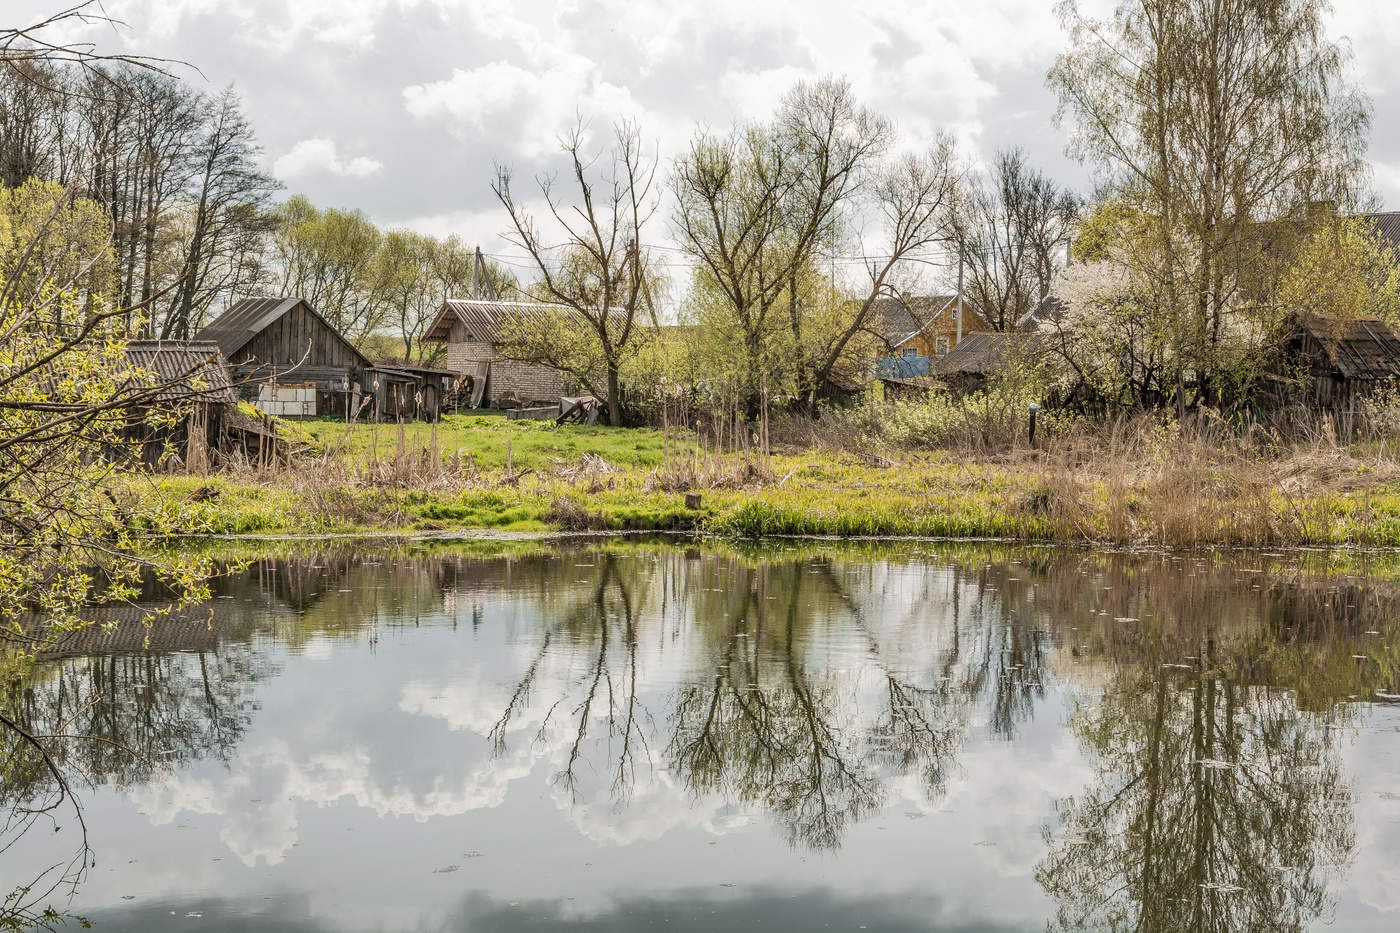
[604,275]
[1012,230]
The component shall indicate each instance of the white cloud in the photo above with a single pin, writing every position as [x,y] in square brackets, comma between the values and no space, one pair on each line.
[521,110]
[320,155]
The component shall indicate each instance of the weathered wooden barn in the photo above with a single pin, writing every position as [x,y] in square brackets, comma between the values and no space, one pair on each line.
[292,362]
[284,342]
[1344,360]
[183,411]
[475,331]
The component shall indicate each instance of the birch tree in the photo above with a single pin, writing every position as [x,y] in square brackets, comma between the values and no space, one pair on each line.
[1211,116]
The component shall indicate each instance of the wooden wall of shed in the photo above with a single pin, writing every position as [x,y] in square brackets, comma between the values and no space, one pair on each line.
[298,334]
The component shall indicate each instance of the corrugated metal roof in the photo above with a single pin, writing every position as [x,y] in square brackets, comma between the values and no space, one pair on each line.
[1361,348]
[244,320]
[487,320]
[1387,224]
[188,369]
[979,354]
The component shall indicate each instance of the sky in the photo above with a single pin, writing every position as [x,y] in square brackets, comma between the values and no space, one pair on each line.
[402,108]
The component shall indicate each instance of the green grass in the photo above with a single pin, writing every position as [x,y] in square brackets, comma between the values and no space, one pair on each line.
[532,444]
[930,494]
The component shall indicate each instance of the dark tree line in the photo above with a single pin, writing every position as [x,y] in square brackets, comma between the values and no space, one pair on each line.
[174,169]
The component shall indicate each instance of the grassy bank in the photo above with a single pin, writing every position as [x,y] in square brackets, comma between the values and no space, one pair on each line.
[477,472]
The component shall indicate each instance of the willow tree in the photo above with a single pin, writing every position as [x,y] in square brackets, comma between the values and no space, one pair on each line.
[755,207]
[1211,117]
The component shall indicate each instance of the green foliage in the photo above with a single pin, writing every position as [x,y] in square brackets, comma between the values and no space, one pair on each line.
[65,543]
[68,237]
[1102,226]
[1343,269]
[1207,123]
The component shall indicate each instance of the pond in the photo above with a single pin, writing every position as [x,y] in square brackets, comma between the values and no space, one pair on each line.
[625,735]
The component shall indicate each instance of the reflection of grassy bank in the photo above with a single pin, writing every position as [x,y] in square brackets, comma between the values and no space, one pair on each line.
[527,476]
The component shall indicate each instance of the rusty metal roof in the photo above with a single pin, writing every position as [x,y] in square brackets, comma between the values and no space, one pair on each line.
[1360,348]
[184,369]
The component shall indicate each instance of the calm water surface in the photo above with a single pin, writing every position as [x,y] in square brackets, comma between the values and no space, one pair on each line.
[625,736]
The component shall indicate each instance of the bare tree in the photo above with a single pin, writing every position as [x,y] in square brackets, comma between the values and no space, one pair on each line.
[914,198]
[1011,229]
[230,199]
[24,47]
[604,278]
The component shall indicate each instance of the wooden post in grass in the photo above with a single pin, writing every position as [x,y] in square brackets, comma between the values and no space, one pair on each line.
[1034,409]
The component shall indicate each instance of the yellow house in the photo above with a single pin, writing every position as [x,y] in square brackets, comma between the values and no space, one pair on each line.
[920,329]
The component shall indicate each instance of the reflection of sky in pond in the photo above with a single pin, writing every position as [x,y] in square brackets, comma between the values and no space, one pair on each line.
[618,738]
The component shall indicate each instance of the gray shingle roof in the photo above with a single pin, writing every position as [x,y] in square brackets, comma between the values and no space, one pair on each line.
[187,369]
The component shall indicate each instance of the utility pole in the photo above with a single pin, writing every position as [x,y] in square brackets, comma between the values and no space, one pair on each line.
[481,282]
[960,294]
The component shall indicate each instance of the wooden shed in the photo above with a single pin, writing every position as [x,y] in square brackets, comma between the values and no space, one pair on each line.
[402,391]
[284,342]
[190,391]
[1345,358]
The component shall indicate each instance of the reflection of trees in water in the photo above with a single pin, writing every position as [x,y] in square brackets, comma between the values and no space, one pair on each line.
[123,720]
[139,715]
[808,684]
[762,717]
[125,704]
[1218,802]
[1216,807]
[24,757]
[592,629]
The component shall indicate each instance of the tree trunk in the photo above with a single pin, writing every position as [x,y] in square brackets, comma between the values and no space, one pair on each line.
[614,397]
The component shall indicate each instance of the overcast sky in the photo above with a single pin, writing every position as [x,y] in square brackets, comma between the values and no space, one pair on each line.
[400,107]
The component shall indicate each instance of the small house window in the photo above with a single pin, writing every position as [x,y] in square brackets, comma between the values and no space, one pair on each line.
[941,346]
[910,352]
